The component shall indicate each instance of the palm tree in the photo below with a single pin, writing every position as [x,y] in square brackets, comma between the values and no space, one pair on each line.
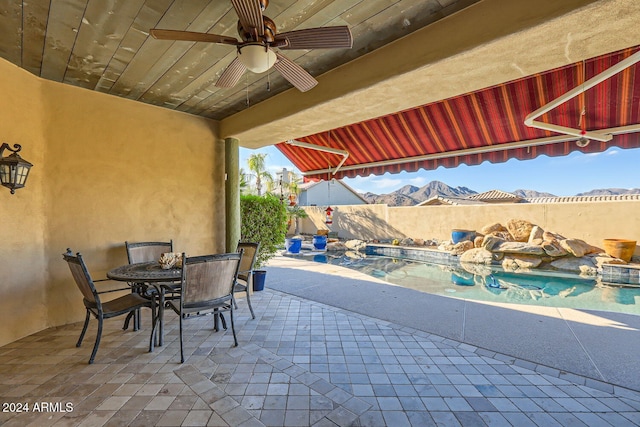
[256,163]
[243,182]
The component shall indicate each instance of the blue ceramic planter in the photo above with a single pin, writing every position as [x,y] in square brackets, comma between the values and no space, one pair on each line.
[259,277]
[319,242]
[293,245]
[458,236]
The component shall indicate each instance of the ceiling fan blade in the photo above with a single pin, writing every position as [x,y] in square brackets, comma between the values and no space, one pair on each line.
[295,74]
[317,38]
[250,15]
[231,75]
[191,36]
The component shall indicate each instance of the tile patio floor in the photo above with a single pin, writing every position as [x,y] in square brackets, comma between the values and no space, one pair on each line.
[299,363]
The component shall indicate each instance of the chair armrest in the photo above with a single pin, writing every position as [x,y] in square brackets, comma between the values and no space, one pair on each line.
[128,288]
[244,274]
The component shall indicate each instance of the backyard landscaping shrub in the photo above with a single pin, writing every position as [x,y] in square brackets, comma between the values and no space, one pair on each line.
[263,219]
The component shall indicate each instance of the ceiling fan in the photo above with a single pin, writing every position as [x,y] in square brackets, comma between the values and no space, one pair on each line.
[259,36]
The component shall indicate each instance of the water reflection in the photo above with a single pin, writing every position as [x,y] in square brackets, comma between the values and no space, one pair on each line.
[488,283]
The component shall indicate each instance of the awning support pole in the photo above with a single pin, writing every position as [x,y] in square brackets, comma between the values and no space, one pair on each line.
[595,135]
[343,153]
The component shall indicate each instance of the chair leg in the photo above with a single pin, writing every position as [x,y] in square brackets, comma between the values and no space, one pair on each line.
[253,316]
[224,322]
[98,336]
[84,329]
[181,344]
[154,322]
[233,328]
[128,319]
[137,321]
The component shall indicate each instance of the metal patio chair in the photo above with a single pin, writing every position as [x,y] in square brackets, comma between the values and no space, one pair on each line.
[245,273]
[103,309]
[206,289]
[138,252]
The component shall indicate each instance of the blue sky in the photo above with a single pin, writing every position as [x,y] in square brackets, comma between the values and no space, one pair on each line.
[562,176]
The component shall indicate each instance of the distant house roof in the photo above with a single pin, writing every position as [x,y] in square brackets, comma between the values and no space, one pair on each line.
[589,199]
[307,185]
[452,201]
[496,196]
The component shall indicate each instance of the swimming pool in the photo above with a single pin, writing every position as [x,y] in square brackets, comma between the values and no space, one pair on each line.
[491,284]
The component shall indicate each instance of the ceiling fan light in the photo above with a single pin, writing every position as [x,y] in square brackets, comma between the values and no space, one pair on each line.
[256,57]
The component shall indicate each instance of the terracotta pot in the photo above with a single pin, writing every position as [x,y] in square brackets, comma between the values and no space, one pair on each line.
[620,248]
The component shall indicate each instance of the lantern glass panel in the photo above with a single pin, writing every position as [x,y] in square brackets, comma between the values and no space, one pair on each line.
[21,175]
[5,174]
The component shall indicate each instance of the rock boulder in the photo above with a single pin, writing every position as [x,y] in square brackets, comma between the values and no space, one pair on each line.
[575,265]
[535,237]
[519,229]
[576,247]
[461,247]
[493,228]
[477,256]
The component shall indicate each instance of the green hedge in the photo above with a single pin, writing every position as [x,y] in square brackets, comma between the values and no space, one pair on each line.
[263,219]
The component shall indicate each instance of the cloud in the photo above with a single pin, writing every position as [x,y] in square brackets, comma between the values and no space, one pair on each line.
[418,181]
[387,182]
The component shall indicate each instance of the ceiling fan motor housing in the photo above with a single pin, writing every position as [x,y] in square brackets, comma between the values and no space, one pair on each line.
[269,31]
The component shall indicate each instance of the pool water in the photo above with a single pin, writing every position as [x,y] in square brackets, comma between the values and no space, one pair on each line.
[546,288]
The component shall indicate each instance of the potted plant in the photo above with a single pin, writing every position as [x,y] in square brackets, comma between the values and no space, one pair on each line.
[262,219]
[293,213]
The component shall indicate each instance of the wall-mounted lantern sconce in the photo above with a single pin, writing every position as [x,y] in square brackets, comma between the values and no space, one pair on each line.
[13,168]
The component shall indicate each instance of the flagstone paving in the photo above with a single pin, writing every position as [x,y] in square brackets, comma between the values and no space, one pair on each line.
[299,363]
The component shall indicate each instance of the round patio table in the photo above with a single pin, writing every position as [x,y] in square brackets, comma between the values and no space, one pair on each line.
[152,273]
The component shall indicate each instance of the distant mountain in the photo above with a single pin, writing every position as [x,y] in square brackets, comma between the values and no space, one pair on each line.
[393,199]
[407,190]
[437,188]
[410,195]
[532,194]
[610,192]
[370,197]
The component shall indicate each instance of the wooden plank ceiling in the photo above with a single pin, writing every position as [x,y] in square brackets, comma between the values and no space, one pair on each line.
[104,45]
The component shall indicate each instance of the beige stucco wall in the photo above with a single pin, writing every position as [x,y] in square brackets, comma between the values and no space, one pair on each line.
[23,266]
[591,222]
[106,170]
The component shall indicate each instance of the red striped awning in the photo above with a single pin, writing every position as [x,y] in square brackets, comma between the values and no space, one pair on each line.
[479,126]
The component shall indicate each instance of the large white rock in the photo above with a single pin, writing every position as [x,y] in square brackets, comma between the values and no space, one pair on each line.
[577,247]
[493,228]
[535,237]
[519,229]
[462,247]
[336,246]
[518,248]
[477,256]
[553,249]
[575,265]
[491,242]
[355,244]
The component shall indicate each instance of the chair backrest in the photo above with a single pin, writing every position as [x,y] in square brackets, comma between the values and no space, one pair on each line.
[249,255]
[147,251]
[81,276]
[209,277]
